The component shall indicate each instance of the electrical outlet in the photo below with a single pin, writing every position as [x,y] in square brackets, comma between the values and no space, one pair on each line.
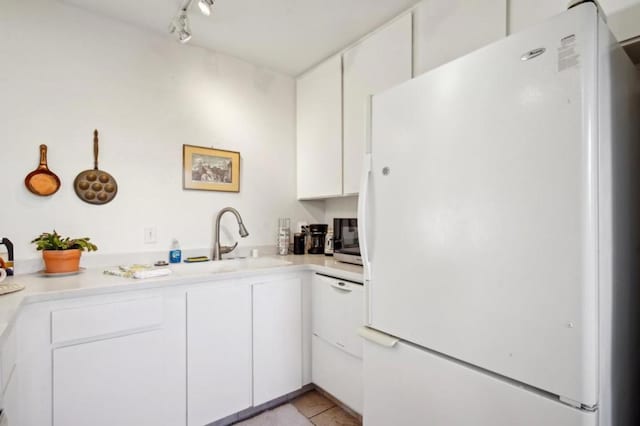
[150,235]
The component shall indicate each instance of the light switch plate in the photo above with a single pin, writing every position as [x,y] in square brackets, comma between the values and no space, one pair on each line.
[150,235]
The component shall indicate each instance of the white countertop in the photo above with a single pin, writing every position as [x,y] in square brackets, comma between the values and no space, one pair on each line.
[93,281]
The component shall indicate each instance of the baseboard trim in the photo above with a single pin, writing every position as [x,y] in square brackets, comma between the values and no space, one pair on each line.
[254,411]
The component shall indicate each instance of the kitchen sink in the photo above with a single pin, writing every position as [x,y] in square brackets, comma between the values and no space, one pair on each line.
[227,265]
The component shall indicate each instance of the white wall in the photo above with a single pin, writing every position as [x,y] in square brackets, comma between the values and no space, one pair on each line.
[65,72]
[344,207]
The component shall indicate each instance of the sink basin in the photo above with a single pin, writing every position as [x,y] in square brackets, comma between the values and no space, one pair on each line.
[227,265]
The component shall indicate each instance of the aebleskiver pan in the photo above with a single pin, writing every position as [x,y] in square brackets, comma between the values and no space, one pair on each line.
[95,186]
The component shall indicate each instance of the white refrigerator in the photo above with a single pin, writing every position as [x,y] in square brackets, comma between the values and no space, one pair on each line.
[498,219]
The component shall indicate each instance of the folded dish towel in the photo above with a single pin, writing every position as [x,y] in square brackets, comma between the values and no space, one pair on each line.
[152,273]
[137,271]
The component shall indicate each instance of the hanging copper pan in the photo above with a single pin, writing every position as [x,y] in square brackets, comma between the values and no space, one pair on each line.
[42,181]
[95,186]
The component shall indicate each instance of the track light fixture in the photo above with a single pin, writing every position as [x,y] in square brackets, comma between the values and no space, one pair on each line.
[180,25]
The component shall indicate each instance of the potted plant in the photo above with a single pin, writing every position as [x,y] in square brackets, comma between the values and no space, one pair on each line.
[60,254]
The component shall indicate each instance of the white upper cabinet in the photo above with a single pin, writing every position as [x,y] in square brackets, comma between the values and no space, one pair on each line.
[525,13]
[446,30]
[319,131]
[333,99]
[377,63]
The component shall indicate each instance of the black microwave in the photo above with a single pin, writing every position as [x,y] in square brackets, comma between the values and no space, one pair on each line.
[346,247]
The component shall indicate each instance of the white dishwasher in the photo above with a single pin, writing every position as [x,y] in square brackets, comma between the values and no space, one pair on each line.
[337,313]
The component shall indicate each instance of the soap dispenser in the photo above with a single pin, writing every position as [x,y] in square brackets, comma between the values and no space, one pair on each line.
[175,254]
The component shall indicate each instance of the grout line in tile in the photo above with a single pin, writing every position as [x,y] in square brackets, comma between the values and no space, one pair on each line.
[337,402]
[316,415]
[330,401]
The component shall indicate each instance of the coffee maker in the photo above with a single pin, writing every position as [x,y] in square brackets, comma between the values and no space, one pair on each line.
[6,260]
[317,233]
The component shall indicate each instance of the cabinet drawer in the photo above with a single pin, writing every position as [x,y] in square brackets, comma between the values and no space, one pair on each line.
[97,320]
[7,357]
[338,311]
[338,373]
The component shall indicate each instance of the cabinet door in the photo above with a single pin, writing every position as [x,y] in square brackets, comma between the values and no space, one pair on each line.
[338,373]
[219,352]
[319,131]
[446,30]
[377,63]
[525,13]
[125,381]
[277,339]
[10,402]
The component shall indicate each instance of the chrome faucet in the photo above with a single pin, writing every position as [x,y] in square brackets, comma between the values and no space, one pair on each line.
[219,250]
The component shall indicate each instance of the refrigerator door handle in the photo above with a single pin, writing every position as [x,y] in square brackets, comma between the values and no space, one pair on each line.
[362,216]
[377,337]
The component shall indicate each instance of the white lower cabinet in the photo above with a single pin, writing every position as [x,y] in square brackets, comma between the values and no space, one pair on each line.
[10,414]
[219,351]
[8,380]
[116,359]
[183,355]
[338,373]
[119,381]
[277,338]
[132,378]
[337,312]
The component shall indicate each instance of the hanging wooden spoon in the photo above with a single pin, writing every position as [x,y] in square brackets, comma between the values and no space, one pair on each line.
[42,181]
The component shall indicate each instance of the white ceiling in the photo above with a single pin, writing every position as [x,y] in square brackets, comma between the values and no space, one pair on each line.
[285,35]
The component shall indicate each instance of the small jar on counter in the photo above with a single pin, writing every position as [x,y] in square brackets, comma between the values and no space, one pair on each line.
[299,243]
[328,243]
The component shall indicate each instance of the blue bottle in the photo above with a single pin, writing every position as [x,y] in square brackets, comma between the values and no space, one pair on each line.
[175,254]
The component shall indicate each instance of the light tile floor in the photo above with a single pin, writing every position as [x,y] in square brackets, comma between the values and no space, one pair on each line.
[312,408]
[283,415]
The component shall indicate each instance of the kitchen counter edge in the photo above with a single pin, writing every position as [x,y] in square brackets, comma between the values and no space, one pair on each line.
[93,282]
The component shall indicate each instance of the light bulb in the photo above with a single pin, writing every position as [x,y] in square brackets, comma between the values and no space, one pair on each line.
[205,6]
[184,36]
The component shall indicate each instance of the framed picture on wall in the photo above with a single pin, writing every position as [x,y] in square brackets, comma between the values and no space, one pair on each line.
[210,169]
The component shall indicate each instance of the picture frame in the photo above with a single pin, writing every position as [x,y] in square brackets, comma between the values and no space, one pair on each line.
[210,169]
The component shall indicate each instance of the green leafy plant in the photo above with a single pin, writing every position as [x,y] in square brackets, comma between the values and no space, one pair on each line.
[48,241]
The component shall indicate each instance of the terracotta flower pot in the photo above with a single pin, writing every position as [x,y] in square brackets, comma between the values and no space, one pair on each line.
[60,261]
